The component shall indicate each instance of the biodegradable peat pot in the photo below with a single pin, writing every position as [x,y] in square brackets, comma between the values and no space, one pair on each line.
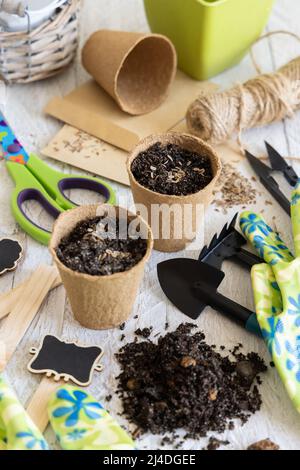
[135,69]
[99,302]
[147,201]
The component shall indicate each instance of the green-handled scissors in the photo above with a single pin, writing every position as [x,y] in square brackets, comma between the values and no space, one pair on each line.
[35,180]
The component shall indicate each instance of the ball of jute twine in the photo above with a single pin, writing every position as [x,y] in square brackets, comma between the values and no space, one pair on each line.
[262,100]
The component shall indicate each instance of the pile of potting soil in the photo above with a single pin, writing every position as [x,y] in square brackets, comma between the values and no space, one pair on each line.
[182,382]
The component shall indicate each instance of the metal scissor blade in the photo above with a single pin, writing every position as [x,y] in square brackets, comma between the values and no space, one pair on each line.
[278,163]
[264,172]
[261,169]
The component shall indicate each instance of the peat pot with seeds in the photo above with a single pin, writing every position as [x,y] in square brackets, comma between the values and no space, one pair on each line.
[100,252]
[172,177]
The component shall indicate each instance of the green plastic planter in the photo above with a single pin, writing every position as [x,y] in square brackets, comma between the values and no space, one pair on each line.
[209,35]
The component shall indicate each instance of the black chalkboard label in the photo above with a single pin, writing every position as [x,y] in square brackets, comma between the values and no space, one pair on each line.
[10,254]
[67,361]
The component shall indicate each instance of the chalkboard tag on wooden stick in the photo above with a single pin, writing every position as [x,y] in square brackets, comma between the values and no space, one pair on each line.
[65,361]
[10,254]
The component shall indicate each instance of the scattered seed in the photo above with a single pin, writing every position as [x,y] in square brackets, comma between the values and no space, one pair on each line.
[132,384]
[136,433]
[201,171]
[265,444]
[234,189]
[187,361]
[213,394]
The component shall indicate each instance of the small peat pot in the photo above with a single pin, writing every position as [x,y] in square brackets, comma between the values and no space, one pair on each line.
[172,177]
[100,252]
[135,69]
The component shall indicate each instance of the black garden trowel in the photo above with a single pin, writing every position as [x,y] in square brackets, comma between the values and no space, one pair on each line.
[191,284]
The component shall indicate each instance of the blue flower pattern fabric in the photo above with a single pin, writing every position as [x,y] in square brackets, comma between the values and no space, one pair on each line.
[32,441]
[295,310]
[77,403]
[294,363]
[81,423]
[276,287]
[17,431]
[251,222]
[270,335]
[265,241]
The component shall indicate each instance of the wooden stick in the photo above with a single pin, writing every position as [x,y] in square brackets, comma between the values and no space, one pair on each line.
[24,311]
[23,303]
[37,407]
[10,299]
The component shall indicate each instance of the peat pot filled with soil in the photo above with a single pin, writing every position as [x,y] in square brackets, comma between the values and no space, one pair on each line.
[100,252]
[172,177]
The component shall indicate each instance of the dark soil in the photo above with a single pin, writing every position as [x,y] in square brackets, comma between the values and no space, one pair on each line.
[170,169]
[182,382]
[88,249]
[214,443]
[145,332]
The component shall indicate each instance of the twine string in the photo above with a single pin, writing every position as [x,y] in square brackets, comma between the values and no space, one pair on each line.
[266,36]
[262,100]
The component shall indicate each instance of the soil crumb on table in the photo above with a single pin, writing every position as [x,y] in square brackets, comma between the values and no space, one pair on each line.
[170,169]
[215,444]
[145,332]
[91,249]
[181,382]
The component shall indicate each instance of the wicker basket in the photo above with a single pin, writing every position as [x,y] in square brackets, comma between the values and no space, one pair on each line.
[41,52]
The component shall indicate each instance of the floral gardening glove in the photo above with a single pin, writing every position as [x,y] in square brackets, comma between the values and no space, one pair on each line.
[17,431]
[276,287]
[81,423]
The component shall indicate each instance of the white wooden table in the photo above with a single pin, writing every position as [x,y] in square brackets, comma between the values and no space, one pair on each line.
[23,108]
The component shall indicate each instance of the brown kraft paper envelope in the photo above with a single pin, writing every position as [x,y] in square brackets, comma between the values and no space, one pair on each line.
[90,109]
[88,153]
